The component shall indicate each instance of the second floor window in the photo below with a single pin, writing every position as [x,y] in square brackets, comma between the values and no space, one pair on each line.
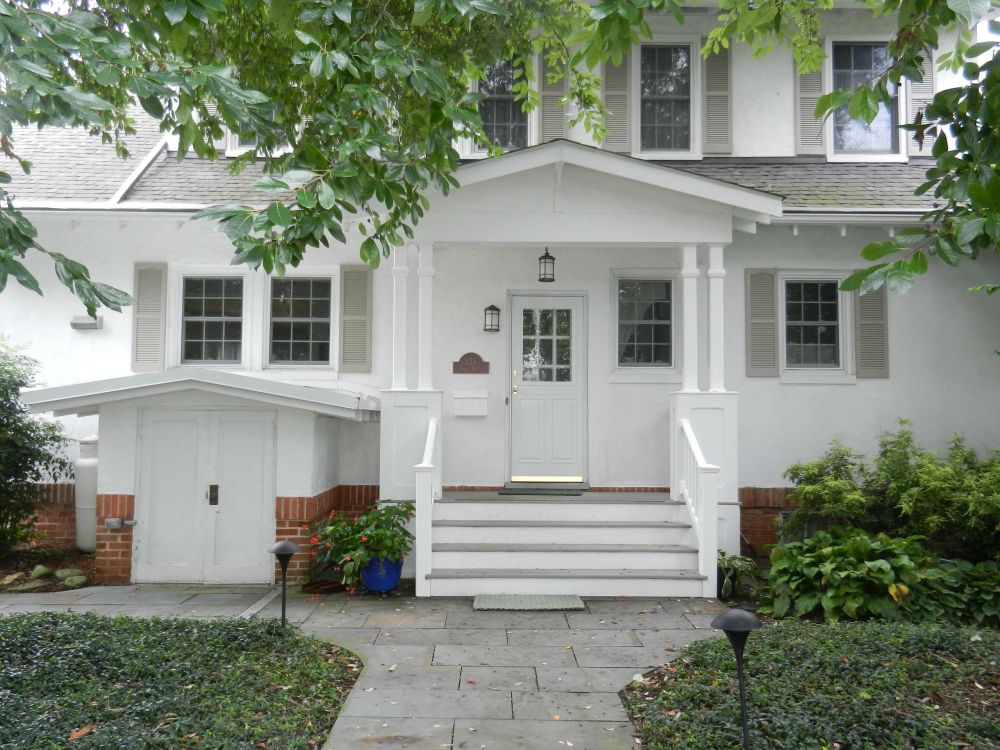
[213,320]
[855,65]
[300,321]
[665,98]
[505,122]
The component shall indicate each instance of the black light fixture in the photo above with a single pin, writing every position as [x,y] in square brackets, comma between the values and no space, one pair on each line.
[737,624]
[546,267]
[283,550]
[491,319]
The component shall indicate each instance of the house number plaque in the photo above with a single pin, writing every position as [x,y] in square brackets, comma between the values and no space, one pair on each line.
[470,363]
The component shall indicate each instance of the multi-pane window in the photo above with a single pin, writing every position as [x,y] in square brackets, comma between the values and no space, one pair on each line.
[213,319]
[505,122]
[665,98]
[300,321]
[812,324]
[547,342]
[855,65]
[644,323]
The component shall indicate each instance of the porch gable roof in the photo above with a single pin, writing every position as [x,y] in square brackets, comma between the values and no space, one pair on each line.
[85,398]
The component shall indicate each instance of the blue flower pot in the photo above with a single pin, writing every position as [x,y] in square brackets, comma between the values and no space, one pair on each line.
[381,575]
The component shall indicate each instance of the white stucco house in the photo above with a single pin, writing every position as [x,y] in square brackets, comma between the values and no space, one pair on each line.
[690,344]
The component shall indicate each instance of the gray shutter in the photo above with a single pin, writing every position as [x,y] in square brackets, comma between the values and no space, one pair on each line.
[919,95]
[356,319]
[718,112]
[149,312]
[808,130]
[553,111]
[617,120]
[762,322]
[871,334]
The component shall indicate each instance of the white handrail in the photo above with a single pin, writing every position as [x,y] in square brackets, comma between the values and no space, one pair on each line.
[422,526]
[428,460]
[698,485]
[692,442]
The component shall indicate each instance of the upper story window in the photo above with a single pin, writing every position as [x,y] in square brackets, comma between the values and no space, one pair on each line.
[855,64]
[812,324]
[644,323]
[300,321]
[665,98]
[504,121]
[213,320]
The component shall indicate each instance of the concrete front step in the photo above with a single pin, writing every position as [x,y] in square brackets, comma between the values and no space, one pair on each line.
[587,498]
[561,532]
[582,582]
[567,556]
[540,509]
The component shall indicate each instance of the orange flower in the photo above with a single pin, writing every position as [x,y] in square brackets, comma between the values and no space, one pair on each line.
[305,526]
[314,540]
[364,539]
[347,558]
[328,545]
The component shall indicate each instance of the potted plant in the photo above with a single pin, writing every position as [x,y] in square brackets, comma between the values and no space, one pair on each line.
[734,572]
[369,549]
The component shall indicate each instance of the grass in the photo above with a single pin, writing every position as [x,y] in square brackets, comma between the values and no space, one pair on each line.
[86,681]
[851,686]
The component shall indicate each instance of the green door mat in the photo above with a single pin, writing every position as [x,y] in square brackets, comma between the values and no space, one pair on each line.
[526,602]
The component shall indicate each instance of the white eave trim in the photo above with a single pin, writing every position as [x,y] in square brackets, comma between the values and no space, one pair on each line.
[140,169]
[128,206]
[620,165]
[85,398]
[851,216]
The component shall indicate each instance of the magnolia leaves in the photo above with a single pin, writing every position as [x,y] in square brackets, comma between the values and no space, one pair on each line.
[970,11]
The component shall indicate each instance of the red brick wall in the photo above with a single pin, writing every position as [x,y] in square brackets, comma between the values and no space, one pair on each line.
[113,560]
[55,511]
[760,508]
[291,513]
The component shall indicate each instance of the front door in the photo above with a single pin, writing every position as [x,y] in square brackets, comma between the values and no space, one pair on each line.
[548,415]
[205,501]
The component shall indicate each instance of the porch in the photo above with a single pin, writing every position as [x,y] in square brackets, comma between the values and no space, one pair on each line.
[552,399]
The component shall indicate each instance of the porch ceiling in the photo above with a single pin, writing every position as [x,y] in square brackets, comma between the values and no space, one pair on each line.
[86,398]
[567,192]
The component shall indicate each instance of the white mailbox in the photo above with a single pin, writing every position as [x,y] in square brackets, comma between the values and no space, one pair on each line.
[469,403]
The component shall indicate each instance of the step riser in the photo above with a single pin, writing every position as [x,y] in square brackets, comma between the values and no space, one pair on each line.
[578,586]
[562,535]
[563,560]
[559,512]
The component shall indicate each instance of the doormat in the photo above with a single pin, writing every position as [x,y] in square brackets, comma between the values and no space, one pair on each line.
[542,491]
[526,602]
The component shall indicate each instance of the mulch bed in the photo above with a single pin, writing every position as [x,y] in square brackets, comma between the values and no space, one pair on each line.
[52,554]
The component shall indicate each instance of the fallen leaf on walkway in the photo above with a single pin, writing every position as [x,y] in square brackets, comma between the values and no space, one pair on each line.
[78,733]
[471,681]
[555,717]
[391,669]
[368,690]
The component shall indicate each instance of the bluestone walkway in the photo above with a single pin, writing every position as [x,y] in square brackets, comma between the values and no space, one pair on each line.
[440,676]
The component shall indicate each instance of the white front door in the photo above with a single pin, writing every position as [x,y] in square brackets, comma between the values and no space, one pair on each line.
[548,415]
[205,501]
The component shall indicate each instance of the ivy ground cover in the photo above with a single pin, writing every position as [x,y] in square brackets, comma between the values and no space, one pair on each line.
[849,686]
[86,681]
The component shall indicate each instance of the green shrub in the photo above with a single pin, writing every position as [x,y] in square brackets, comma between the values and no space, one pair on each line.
[953,501]
[853,575]
[351,543]
[738,575]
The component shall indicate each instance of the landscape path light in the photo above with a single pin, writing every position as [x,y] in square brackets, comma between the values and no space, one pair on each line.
[737,624]
[284,550]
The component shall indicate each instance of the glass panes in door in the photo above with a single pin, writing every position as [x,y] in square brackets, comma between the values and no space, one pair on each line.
[547,345]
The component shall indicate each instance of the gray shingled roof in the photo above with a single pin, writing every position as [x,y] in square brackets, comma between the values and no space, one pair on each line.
[817,185]
[193,180]
[71,164]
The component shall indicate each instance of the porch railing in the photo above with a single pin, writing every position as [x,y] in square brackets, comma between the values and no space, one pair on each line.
[698,485]
[425,486]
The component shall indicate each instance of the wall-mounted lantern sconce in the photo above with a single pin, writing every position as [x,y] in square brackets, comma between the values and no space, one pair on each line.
[491,319]
[546,267]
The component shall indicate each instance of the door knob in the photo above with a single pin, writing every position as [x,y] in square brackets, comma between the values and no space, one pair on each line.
[515,389]
[213,494]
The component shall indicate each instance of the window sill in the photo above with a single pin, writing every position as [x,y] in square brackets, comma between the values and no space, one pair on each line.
[667,155]
[644,375]
[831,377]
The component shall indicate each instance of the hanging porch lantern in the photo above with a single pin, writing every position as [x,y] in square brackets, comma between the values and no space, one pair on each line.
[491,319]
[546,267]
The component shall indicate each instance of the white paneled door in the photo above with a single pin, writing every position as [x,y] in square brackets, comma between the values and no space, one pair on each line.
[548,415]
[205,502]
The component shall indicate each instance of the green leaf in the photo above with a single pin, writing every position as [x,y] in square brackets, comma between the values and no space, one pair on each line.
[369,252]
[918,263]
[854,282]
[343,11]
[16,269]
[833,100]
[970,11]
[969,229]
[175,10]
[876,250]
[239,226]
[327,198]
[279,215]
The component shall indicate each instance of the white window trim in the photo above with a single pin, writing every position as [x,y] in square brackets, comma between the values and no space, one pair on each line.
[670,374]
[901,106]
[233,147]
[843,375]
[306,273]
[694,42]
[468,149]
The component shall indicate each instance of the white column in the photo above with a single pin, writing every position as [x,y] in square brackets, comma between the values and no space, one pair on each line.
[716,302]
[425,324]
[689,274]
[400,274]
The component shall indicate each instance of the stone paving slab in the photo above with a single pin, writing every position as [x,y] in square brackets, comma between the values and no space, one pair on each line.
[570,638]
[22,609]
[407,677]
[569,706]
[623,656]
[580,680]
[336,619]
[504,656]
[398,620]
[543,735]
[441,636]
[464,704]
[509,679]
[676,639]
[242,600]
[298,609]
[580,621]
[49,597]
[391,734]
[703,622]
[353,639]
[622,607]
[414,656]
[508,620]
[697,606]
[130,595]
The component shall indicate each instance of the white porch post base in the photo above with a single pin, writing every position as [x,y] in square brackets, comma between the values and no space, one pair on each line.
[402,433]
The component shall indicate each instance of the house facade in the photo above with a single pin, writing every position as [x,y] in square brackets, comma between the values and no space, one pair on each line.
[634,339]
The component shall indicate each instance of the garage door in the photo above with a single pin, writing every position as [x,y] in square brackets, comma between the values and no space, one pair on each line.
[205,501]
